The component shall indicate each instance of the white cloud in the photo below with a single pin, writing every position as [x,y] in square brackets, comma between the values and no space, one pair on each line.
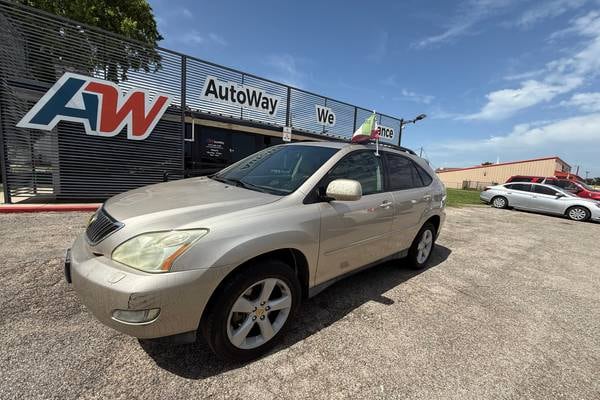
[547,9]
[561,76]
[571,132]
[218,39]
[470,13]
[286,70]
[574,139]
[586,102]
[405,94]
[186,13]
[414,97]
[193,37]
[506,102]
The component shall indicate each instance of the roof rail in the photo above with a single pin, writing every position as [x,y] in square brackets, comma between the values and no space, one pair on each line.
[396,147]
[388,145]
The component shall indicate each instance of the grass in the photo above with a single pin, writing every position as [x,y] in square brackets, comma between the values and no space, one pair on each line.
[459,197]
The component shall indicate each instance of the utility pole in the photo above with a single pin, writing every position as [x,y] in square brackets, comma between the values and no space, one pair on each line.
[421,152]
[587,173]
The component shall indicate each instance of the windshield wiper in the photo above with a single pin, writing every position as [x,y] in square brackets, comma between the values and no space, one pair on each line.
[245,185]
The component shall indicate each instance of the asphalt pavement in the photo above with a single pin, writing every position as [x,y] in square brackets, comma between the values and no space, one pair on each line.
[510,308]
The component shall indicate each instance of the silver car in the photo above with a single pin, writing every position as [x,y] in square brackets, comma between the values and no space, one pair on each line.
[233,255]
[541,198]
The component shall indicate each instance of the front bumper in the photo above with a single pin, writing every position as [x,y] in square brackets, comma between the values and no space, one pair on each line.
[595,214]
[104,286]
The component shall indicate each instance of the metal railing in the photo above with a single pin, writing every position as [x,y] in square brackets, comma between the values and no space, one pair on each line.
[36,48]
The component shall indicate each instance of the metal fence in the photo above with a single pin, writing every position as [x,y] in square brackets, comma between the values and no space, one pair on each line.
[469,185]
[36,48]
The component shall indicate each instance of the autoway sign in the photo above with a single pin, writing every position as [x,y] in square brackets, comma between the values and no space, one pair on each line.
[245,96]
[99,105]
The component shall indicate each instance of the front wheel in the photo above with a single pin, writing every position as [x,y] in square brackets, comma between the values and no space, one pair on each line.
[422,247]
[252,310]
[578,213]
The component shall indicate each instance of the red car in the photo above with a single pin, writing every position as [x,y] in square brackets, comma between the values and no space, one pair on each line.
[575,187]
[524,178]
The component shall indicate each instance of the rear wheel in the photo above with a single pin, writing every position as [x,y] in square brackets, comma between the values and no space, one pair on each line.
[578,213]
[422,247]
[252,311]
[500,202]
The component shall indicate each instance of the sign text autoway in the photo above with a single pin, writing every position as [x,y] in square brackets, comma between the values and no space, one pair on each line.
[240,95]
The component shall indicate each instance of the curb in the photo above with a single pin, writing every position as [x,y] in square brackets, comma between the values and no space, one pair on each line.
[33,208]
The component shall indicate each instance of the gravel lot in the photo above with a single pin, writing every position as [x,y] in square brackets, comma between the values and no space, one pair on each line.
[510,309]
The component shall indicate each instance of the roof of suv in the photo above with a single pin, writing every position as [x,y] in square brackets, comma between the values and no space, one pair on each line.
[343,145]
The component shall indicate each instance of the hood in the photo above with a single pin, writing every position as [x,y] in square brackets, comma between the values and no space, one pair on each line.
[184,201]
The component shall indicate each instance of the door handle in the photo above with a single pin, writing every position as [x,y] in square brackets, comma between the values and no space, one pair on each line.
[385,204]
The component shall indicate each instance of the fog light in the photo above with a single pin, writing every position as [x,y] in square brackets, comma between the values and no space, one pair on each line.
[136,316]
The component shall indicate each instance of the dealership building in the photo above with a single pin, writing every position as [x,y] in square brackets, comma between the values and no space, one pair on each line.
[481,175]
[86,114]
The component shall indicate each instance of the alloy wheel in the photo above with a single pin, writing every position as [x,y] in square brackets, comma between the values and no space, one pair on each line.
[577,214]
[424,247]
[259,313]
[499,202]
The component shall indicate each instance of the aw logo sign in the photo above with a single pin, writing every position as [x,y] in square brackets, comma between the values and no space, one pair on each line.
[99,106]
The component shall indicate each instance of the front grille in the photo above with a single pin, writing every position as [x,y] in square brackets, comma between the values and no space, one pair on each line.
[101,227]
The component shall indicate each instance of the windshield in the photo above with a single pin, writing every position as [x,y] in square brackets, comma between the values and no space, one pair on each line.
[277,170]
[587,187]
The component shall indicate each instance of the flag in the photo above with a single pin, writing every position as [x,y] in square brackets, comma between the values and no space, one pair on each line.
[368,130]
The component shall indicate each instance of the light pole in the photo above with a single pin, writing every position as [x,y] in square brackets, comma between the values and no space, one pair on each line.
[409,121]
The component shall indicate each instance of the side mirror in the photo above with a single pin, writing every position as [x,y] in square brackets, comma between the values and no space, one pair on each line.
[344,190]
[559,195]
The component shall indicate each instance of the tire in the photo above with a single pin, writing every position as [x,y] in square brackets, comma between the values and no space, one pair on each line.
[578,213]
[244,334]
[419,253]
[499,202]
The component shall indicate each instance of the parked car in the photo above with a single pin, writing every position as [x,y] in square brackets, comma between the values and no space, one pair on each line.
[541,198]
[524,178]
[233,255]
[578,188]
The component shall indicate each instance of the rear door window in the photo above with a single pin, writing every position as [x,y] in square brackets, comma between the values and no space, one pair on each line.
[522,187]
[402,173]
[544,190]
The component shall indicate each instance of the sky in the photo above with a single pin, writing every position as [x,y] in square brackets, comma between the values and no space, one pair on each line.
[499,80]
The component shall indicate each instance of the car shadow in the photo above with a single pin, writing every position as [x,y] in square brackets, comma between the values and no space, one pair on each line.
[196,361]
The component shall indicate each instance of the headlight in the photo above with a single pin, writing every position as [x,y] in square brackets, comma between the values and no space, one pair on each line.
[156,251]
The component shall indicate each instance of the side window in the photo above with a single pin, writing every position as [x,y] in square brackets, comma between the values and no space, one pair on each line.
[362,166]
[402,173]
[521,187]
[425,177]
[544,190]
[570,186]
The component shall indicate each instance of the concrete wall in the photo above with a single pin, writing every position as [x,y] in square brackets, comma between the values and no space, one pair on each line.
[501,172]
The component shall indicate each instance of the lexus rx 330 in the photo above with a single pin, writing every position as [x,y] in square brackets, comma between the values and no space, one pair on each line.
[233,255]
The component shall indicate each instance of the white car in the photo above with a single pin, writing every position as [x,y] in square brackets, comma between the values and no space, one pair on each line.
[541,198]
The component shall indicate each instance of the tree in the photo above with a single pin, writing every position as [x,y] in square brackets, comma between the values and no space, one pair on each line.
[487,163]
[93,52]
